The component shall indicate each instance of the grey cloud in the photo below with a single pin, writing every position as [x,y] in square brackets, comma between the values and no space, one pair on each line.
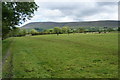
[79,10]
[107,3]
[61,5]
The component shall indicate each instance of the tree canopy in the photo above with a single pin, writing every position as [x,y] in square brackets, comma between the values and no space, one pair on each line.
[57,30]
[16,13]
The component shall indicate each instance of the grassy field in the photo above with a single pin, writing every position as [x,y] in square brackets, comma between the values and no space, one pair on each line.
[64,56]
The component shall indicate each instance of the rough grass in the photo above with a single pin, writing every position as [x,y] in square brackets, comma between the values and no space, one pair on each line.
[65,56]
[5,46]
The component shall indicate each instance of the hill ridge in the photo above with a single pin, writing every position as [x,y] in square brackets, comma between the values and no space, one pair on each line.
[49,25]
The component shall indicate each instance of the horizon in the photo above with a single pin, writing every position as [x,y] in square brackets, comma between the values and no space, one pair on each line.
[69,22]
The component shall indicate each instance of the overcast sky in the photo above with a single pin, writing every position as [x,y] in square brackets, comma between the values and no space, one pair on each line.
[74,11]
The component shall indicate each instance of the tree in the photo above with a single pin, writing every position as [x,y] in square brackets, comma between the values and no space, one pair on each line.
[14,32]
[33,31]
[119,29]
[92,29]
[86,30]
[50,31]
[57,30]
[110,29]
[64,29]
[22,32]
[81,30]
[15,13]
[74,30]
[70,30]
[105,29]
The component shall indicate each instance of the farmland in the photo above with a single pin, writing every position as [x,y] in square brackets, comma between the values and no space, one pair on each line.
[76,55]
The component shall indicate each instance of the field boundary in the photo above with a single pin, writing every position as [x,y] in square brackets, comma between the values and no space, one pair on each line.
[7,59]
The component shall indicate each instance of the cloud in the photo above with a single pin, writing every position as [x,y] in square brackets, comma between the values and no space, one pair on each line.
[75,11]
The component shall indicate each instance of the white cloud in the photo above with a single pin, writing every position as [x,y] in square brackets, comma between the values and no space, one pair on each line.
[101,16]
[65,19]
[51,13]
[75,11]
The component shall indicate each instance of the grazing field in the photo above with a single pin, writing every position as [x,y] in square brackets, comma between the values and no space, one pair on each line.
[64,56]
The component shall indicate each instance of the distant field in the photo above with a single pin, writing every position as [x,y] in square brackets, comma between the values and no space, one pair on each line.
[63,56]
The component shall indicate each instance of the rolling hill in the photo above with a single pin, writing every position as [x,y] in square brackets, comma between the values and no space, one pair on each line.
[49,25]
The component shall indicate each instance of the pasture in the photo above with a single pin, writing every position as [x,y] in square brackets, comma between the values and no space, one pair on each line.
[65,56]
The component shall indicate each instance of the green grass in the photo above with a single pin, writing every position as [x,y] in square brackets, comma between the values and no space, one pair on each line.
[6,66]
[5,46]
[65,56]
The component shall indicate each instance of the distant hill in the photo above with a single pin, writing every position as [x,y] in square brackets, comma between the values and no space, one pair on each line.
[50,25]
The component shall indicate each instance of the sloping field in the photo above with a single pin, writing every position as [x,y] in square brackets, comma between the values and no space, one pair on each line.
[64,56]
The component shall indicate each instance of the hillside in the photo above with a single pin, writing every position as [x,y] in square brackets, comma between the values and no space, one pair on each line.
[49,25]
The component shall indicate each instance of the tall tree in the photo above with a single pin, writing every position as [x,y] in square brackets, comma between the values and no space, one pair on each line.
[57,30]
[64,29]
[33,31]
[15,13]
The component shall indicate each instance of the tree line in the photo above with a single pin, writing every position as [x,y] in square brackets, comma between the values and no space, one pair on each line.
[60,30]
